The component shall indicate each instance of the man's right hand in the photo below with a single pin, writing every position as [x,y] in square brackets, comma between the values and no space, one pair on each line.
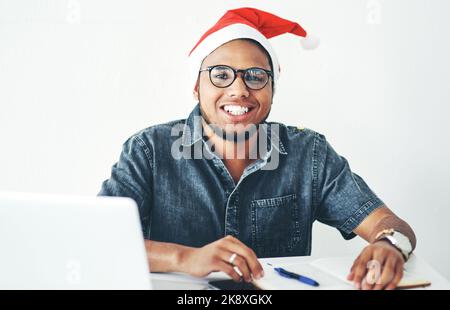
[215,256]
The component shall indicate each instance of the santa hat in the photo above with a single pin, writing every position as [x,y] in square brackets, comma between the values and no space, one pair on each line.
[246,23]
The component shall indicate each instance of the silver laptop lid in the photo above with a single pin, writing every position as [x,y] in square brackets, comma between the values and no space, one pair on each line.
[71,242]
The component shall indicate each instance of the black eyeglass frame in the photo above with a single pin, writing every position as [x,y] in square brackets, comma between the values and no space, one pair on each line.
[236,71]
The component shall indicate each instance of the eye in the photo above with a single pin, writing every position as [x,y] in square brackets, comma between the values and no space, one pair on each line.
[255,78]
[221,75]
[256,75]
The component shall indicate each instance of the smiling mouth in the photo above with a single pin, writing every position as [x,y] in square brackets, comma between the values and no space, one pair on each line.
[236,110]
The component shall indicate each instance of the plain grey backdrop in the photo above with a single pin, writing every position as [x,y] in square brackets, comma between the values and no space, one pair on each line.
[79,77]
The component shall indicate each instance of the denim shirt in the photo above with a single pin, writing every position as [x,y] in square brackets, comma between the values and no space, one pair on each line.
[196,201]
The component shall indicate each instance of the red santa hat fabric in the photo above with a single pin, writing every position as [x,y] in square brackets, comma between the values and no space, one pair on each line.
[246,23]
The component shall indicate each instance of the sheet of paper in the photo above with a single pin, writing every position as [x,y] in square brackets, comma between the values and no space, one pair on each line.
[340,267]
[273,281]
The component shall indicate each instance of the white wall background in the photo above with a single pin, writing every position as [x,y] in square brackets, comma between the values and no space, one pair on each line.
[78,77]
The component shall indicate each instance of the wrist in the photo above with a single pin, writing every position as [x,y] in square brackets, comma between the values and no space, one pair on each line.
[165,257]
[396,239]
[182,257]
[389,244]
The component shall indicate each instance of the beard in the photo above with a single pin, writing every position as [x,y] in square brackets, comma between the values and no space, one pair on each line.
[232,135]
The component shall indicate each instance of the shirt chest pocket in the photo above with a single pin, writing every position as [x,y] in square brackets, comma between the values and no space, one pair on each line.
[276,226]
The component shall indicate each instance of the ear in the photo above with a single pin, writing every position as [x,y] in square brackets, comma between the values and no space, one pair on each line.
[195,91]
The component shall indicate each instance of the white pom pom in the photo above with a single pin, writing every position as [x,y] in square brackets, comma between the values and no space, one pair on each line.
[310,42]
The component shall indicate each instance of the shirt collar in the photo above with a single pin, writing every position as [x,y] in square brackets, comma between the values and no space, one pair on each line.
[193,130]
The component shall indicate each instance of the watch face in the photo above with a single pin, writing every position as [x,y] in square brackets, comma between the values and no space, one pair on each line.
[402,242]
[392,240]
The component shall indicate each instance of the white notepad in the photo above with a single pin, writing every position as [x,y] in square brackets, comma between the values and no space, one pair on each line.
[331,273]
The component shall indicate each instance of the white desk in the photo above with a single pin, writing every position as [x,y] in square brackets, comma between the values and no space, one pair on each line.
[175,281]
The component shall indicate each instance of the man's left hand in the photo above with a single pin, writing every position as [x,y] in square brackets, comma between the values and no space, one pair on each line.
[379,266]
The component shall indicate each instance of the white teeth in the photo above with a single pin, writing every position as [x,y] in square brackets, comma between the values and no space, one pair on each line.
[235,109]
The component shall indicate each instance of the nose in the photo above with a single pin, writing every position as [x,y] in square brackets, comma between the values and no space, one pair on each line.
[238,89]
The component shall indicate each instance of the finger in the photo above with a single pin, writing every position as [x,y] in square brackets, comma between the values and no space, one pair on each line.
[241,244]
[351,275]
[364,285]
[360,268]
[235,246]
[240,263]
[355,261]
[397,278]
[229,270]
[374,269]
[244,268]
[387,274]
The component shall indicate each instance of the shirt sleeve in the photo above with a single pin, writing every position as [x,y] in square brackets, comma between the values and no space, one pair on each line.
[343,199]
[131,177]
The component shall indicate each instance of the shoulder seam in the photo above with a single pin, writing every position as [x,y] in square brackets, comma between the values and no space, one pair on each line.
[145,148]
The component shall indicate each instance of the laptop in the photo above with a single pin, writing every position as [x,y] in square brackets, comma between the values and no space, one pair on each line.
[71,242]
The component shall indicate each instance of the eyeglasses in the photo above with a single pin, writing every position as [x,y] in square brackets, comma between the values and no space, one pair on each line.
[223,76]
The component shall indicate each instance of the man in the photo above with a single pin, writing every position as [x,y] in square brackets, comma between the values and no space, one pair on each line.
[208,203]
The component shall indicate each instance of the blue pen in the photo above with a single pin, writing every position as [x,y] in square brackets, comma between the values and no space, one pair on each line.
[291,275]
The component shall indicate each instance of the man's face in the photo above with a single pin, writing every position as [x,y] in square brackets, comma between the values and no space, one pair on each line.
[238,54]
